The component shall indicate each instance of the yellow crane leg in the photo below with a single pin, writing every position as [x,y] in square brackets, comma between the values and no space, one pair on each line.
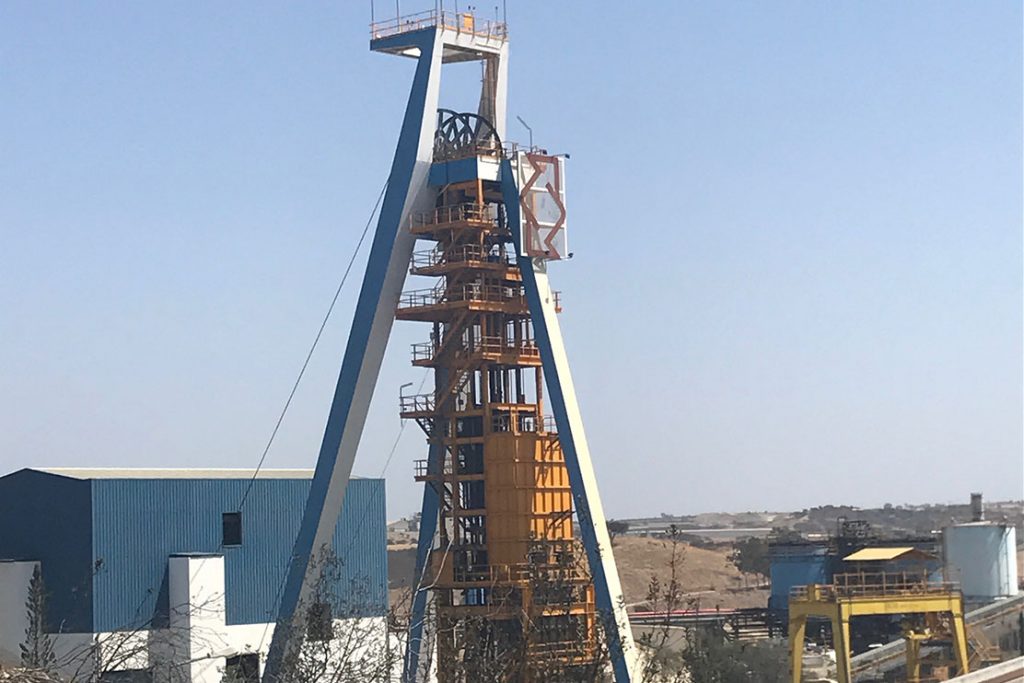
[960,643]
[913,659]
[841,644]
[797,631]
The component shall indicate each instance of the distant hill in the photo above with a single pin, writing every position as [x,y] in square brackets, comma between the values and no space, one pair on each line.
[705,574]
[890,520]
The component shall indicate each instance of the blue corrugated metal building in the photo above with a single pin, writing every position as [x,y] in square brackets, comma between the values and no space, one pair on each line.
[103,538]
[797,564]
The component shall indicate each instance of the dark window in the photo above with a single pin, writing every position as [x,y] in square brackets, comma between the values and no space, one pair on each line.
[319,626]
[232,522]
[243,669]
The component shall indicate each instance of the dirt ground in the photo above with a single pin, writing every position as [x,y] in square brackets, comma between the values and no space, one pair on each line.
[705,575]
[401,567]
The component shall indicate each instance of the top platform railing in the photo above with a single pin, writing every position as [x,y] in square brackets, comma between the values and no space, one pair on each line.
[460,22]
[875,584]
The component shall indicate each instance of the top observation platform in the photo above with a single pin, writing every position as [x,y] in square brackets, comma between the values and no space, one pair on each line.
[466,37]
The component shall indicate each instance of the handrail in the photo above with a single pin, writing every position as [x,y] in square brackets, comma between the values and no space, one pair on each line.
[461,22]
[420,297]
[505,573]
[528,348]
[422,468]
[862,584]
[465,253]
[524,422]
[423,351]
[417,403]
[466,292]
[425,258]
[452,213]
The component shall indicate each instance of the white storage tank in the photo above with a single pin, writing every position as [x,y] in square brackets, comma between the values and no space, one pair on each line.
[982,557]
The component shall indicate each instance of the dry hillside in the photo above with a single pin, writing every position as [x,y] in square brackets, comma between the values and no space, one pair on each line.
[705,575]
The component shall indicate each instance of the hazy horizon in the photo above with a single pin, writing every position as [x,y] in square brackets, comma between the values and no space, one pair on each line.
[797,234]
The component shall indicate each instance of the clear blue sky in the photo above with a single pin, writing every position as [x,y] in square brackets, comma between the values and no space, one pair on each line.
[797,228]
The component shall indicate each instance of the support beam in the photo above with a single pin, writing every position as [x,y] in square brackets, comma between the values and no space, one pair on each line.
[382,284]
[416,645]
[797,634]
[960,642]
[913,658]
[562,397]
[841,641]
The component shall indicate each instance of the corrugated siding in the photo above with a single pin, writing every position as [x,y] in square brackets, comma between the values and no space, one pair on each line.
[138,523]
[45,517]
[797,567]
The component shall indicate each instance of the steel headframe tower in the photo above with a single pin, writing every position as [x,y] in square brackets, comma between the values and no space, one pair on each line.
[501,482]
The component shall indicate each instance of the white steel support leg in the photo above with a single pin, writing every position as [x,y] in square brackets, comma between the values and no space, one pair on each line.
[562,396]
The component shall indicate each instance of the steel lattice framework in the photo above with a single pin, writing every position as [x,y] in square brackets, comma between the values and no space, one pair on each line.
[497,551]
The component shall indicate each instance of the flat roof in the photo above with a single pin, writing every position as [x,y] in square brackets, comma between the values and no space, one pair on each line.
[886,554]
[174,473]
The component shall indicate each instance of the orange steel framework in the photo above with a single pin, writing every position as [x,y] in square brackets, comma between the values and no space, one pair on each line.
[508,577]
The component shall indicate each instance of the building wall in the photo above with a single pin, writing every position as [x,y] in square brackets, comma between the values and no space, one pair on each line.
[14,581]
[163,653]
[46,517]
[982,556]
[103,544]
[196,643]
[796,565]
[139,523]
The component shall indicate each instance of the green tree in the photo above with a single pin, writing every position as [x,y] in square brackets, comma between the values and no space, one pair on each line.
[751,556]
[37,650]
[616,527]
[710,658]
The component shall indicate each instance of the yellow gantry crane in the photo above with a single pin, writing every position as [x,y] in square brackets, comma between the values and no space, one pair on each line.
[938,604]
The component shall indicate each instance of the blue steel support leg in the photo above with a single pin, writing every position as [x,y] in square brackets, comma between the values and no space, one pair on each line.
[414,645]
[428,527]
[371,326]
[562,396]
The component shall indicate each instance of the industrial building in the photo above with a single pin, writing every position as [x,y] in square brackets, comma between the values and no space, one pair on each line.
[950,601]
[174,575]
[979,555]
[803,562]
